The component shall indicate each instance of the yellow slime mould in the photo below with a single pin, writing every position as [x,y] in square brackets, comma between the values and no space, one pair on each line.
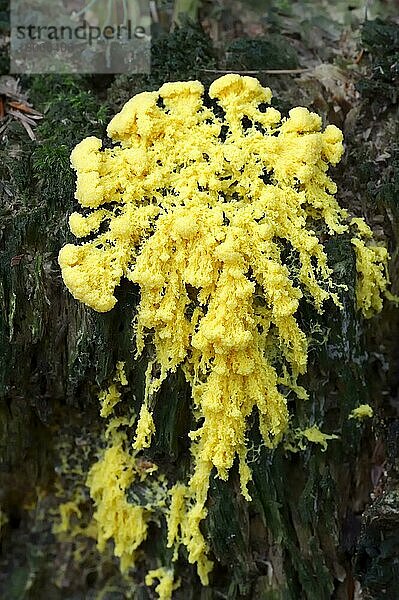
[297,439]
[314,435]
[364,411]
[166,585]
[197,202]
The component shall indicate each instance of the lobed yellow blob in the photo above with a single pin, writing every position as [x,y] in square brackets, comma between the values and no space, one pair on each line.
[364,411]
[314,435]
[109,398]
[145,429]
[298,439]
[116,518]
[166,585]
[200,210]
[372,267]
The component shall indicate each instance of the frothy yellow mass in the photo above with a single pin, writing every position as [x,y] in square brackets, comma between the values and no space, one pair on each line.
[373,280]
[198,202]
[364,411]
[166,585]
[116,518]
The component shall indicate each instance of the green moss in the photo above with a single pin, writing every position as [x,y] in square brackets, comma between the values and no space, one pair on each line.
[381,39]
[176,56]
[271,52]
[36,182]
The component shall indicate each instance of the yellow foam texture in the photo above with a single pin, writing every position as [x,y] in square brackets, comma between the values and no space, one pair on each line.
[197,209]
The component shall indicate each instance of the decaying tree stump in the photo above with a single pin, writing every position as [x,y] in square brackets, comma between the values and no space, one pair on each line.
[322,524]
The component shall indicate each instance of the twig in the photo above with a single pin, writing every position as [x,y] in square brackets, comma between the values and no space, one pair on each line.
[22,117]
[28,128]
[266,71]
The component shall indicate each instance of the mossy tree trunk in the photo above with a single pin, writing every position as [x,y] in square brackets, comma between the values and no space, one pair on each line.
[320,522]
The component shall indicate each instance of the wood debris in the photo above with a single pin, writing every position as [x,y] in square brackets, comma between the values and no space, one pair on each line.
[14,105]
